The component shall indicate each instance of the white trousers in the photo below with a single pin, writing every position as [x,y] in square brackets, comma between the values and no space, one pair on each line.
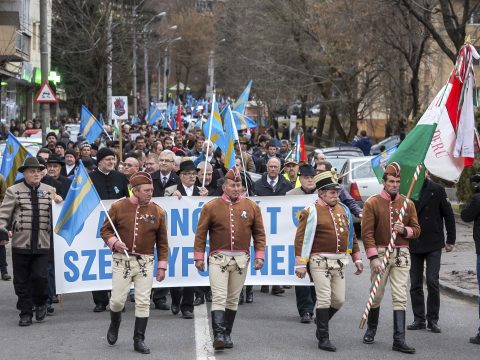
[227,275]
[124,272]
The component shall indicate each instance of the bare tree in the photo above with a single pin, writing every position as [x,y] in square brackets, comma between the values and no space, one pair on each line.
[453,16]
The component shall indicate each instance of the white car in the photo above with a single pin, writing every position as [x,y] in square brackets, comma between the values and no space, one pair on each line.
[31,144]
[73,130]
[314,110]
[360,180]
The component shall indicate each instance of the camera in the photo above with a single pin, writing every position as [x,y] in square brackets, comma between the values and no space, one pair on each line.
[475,178]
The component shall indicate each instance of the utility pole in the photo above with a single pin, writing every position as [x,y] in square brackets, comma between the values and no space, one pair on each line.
[45,107]
[145,69]
[109,65]
[134,62]
[210,73]
[166,65]
[165,74]
[145,57]
[159,73]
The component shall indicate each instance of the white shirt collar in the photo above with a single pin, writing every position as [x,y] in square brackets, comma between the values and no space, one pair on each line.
[167,176]
[189,190]
[274,181]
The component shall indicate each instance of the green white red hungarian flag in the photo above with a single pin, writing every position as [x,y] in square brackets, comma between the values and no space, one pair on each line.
[444,138]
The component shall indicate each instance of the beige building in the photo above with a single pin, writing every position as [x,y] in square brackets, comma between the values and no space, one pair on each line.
[20,57]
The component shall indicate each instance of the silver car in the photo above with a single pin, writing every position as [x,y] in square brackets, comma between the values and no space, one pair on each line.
[360,180]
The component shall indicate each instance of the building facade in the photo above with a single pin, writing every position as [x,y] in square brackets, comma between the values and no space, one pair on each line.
[20,58]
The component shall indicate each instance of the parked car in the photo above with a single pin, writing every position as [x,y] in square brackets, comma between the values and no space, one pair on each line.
[388,142]
[73,130]
[314,110]
[336,155]
[359,179]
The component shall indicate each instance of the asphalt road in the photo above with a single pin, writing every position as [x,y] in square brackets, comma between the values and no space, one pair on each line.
[267,329]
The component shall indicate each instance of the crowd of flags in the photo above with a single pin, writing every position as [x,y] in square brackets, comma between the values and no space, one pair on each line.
[220,127]
[447,125]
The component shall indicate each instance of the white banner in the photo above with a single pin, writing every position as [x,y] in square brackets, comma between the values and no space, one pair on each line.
[86,265]
[119,108]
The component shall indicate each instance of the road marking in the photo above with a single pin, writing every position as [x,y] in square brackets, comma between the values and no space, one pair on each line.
[203,341]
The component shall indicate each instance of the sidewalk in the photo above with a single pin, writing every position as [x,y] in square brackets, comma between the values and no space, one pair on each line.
[458,274]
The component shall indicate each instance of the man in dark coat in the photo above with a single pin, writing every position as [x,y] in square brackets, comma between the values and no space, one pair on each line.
[182,298]
[110,185]
[54,169]
[472,213]
[433,211]
[165,177]
[271,184]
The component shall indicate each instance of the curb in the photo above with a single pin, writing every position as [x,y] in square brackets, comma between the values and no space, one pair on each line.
[458,292]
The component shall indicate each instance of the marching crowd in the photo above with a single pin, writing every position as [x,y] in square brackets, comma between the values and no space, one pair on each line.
[149,162]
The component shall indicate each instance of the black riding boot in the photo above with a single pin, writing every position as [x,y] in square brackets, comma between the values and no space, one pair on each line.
[372,323]
[115,320]
[249,294]
[322,330]
[139,335]
[241,298]
[399,343]
[331,311]
[218,327]
[229,320]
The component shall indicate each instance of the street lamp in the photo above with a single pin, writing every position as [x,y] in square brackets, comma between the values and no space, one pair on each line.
[211,72]
[159,97]
[165,68]
[145,57]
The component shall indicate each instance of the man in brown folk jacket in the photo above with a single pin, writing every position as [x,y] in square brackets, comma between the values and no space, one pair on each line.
[380,218]
[230,221]
[141,226]
[324,239]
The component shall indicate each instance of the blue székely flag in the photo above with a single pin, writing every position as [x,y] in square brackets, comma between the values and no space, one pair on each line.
[231,135]
[213,127]
[239,106]
[172,124]
[379,162]
[13,157]
[82,198]
[90,128]
[153,114]
[243,122]
[135,120]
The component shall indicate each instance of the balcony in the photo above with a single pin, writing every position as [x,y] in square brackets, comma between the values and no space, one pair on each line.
[14,44]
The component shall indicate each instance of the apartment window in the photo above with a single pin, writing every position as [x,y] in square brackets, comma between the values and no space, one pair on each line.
[25,16]
[22,42]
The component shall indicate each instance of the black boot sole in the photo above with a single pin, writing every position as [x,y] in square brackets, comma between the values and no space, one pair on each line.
[142,351]
[403,350]
[368,342]
[330,349]
[219,345]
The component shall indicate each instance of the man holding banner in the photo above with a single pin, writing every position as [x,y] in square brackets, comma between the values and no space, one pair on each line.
[380,218]
[230,221]
[324,238]
[141,226]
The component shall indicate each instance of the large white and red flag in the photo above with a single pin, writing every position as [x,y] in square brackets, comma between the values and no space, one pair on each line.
[452,146]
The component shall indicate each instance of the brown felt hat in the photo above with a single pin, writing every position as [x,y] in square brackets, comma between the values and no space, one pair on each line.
[393,169]
[140,178]
[233,174]
[31,162]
